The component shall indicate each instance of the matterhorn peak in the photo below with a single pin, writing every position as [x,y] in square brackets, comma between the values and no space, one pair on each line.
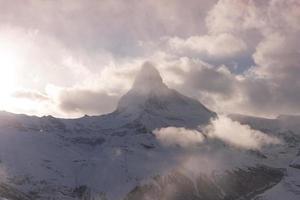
[155,105]
[148,78]
[147,84]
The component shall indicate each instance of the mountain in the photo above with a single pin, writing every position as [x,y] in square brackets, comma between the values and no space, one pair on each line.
[154,105]
[118,156]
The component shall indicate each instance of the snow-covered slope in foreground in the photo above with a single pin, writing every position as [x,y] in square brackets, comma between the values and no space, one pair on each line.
[118,156]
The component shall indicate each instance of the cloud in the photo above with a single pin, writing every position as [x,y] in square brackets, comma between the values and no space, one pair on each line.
[221,45]
[236,134]
[43,59]
[31,95]
[277,57]
[233,55]
[86,101]
[223,128]
[234,16]
[271,85]
[178,136]
[209,79]
[121,26]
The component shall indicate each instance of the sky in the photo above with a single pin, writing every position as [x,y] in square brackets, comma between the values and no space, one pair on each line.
[68,58]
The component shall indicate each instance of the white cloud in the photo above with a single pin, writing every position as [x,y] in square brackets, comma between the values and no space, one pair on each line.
[236,134]
[220,45]
[30,94]
[234,16]
[223,128]
[271,86]
[86,101]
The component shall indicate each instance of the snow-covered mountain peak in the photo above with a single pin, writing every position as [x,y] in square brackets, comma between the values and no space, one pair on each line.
[148,84]
[148,79]
[155,105]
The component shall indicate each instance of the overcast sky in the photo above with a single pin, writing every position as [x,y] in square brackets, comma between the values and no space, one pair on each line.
[68,58]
